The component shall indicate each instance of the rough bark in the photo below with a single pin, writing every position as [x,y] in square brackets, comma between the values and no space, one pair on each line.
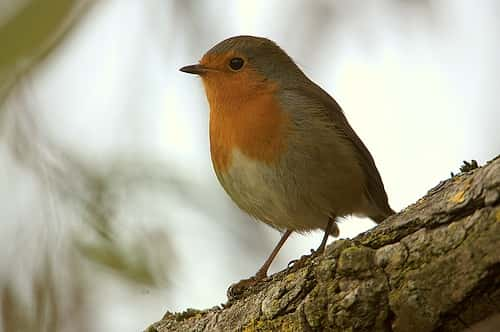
[435,266]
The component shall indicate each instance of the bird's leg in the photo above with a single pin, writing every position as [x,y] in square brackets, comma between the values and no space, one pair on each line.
[331,229]
[262,273]
[328,230]
[238,288]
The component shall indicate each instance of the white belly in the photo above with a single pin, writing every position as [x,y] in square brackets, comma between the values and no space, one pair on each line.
[268,194]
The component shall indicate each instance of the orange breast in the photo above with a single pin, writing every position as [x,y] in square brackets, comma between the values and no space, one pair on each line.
[247,116]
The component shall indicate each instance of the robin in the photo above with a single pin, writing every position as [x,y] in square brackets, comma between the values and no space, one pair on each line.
[281,146]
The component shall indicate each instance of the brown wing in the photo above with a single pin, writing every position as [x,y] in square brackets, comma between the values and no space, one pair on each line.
[374,186]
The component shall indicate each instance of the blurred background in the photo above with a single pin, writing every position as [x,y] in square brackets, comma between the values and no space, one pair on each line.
[110,211]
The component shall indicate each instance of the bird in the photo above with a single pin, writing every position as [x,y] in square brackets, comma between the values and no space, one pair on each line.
[281,146]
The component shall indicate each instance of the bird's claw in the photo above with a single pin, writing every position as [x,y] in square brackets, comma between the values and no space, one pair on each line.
[238,288]
[292,262]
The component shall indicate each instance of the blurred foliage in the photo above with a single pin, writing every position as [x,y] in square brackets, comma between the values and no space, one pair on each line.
[27,36]
[131,262]
[143,259]
[53,306]
[32,33]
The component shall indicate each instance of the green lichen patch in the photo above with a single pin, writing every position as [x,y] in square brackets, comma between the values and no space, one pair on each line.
[355,260]
[281,294]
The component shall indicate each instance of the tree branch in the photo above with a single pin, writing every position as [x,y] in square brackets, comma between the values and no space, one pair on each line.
[433,266]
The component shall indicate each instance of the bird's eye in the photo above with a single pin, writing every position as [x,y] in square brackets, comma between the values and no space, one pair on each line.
[236,63]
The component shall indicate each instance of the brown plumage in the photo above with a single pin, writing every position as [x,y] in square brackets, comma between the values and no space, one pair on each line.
[281,146]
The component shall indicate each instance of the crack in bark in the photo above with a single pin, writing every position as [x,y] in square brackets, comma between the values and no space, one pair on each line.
[306,289]
[391,317]
[490,282]
[303,319]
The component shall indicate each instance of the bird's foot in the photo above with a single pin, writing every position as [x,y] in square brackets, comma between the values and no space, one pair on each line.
[298,263]
[235,290]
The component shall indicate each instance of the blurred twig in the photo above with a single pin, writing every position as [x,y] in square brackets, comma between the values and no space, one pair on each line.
[56,302]
[33,33]
[91,194]
[27,38]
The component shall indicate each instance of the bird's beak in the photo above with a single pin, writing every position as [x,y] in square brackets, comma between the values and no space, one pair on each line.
[194,69]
